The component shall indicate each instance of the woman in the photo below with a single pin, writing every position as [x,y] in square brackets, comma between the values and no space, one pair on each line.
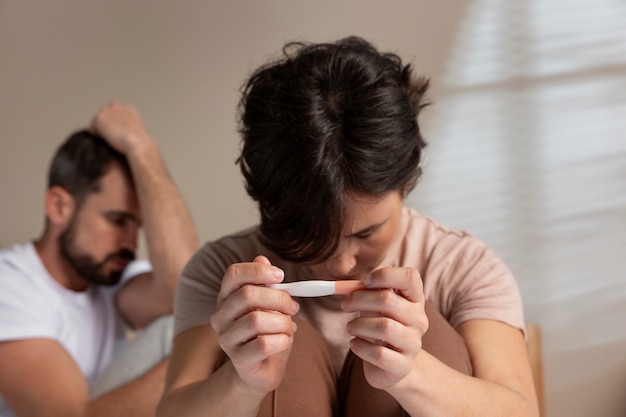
[331,146]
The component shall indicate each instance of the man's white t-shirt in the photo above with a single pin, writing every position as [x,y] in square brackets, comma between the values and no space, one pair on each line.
[33,306]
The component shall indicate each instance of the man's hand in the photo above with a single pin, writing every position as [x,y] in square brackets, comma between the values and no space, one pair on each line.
[120,125]
[169,231]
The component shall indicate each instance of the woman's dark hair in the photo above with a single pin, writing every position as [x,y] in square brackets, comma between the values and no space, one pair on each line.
[81,161]
[324,120]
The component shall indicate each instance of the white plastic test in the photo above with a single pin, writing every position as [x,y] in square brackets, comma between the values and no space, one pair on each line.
[318,288]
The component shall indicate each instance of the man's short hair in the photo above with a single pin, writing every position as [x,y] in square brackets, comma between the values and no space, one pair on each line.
[81,161]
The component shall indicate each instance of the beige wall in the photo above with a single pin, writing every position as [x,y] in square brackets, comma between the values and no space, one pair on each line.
[181,63]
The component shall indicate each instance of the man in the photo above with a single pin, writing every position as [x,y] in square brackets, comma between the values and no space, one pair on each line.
[63,296]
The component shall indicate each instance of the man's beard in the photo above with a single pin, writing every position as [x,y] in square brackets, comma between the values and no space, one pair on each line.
[85,265]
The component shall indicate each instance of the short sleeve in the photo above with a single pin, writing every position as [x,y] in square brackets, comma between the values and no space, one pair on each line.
[25,312]
[483,286]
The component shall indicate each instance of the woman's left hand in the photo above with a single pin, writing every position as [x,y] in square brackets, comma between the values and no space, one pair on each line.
[388,332]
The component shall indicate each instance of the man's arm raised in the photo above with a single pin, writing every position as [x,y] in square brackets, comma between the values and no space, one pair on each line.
[169,230]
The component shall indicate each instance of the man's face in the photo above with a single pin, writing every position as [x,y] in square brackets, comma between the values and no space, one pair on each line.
[101,238]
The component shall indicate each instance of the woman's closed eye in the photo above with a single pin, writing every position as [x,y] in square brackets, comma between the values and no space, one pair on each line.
[364,235]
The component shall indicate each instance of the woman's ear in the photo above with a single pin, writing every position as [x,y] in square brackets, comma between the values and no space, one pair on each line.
[59,205]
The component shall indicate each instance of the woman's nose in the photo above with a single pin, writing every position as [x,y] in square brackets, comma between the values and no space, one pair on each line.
[342,262]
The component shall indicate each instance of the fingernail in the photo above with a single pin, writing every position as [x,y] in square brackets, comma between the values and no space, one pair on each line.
[295,306]
[367,280]
[278,273]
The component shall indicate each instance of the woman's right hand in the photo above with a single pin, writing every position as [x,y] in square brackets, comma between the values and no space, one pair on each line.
[254,323]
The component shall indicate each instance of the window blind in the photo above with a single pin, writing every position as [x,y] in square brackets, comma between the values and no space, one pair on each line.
[527,150]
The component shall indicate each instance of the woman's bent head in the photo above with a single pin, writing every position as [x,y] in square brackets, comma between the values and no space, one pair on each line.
[326,121]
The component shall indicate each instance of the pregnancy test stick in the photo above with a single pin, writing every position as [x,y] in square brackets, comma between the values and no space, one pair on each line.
[318,288]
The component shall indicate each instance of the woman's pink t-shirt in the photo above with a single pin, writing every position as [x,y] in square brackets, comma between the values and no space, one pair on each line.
[462,277]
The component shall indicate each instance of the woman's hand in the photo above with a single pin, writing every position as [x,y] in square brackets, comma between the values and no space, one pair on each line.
[388,332]
[254,323]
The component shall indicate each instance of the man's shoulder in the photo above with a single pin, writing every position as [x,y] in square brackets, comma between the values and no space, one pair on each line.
[15,253]
[20,260]
[28,303]
[22,271]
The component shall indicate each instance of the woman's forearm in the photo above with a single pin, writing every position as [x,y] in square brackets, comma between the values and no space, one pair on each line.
[434,389]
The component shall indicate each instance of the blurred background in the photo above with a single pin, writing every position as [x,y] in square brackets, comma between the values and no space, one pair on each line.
[527,142]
